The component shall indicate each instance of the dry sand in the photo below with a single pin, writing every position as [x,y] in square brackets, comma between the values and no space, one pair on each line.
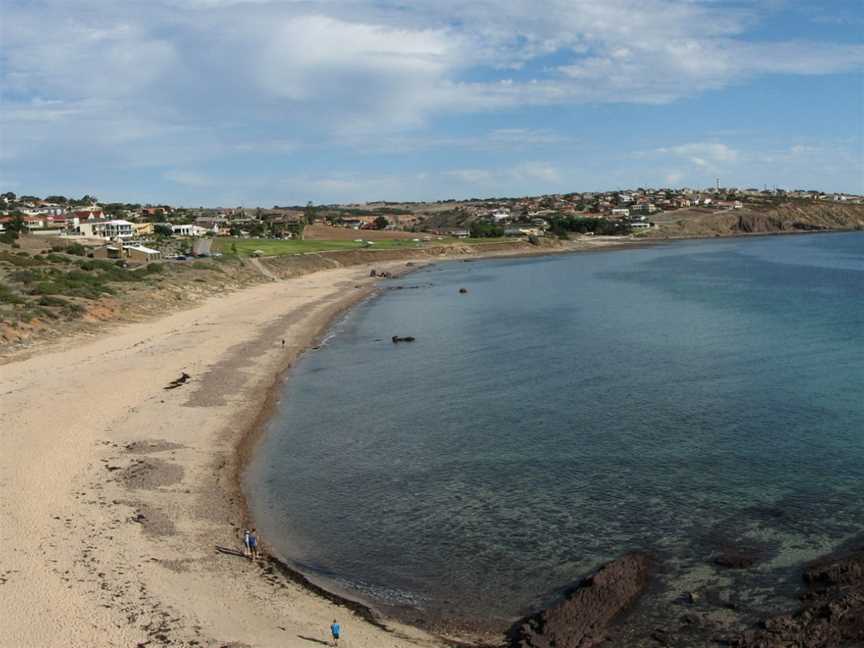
[114,492]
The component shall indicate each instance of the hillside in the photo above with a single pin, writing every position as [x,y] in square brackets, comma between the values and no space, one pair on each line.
[793,216]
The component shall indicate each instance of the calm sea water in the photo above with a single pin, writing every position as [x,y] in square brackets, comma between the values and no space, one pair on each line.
[565,410]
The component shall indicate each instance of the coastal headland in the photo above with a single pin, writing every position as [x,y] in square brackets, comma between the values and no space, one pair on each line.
[122,513]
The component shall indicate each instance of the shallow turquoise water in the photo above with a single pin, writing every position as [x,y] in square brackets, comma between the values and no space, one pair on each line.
[678,399]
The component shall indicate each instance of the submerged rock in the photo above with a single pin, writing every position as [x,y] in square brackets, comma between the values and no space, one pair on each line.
[734,560]
[582,618]
[832,614]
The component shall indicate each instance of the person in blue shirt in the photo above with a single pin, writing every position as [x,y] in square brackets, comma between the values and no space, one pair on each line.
[335,630]
[253,545]
[247,543]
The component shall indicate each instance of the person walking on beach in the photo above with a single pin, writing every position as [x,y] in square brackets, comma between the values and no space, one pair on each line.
[335,630]
[247,543]
[253,545]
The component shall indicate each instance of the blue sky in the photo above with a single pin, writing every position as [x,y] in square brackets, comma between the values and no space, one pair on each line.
[262,102]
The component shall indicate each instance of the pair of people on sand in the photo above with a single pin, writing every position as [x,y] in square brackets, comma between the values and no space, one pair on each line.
[250,544]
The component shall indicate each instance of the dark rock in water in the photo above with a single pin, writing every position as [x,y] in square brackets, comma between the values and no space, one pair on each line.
[734,560]
[832,614]
[408,338]
[581,619]
[830,573]
[463,290]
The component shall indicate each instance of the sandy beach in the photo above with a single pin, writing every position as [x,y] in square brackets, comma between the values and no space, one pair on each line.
[116,491]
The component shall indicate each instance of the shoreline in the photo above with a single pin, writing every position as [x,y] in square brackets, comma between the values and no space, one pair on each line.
[164,502]
[476,635]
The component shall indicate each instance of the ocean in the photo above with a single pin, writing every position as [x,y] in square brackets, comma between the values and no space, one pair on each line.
[681,399]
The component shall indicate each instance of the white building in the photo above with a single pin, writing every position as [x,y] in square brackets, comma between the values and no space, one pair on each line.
[620,211]
[188,230]
[105,229]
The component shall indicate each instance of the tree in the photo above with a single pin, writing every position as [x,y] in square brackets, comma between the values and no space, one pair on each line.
[17,224]
[13,229]
[62,200]
[162,229]
[381,222]
[9,195]
[309,214]
[479,229]
[296,228]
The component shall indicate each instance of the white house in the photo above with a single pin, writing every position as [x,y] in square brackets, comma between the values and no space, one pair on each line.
[620,211]
[188,230]
[105,229]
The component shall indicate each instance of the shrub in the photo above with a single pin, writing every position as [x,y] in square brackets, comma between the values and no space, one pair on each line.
[9,297]
[73,310]
[48,300]
[24,276]
[18,260]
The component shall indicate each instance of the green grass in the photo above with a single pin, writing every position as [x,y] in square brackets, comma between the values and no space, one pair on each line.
[273,247]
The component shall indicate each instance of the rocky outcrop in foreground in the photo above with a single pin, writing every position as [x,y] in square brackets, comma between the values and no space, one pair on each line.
[582,618]
[832,615]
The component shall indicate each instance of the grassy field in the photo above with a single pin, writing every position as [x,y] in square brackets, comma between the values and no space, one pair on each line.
[276,247]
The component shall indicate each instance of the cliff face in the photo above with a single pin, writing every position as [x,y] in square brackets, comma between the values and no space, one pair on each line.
[788,217]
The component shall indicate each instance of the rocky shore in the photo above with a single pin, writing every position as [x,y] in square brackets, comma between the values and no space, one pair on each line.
[607,609]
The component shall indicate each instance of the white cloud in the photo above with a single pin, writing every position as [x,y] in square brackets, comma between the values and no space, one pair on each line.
[189,178]
[702,154]
[542,171]
[471,176]
[175,83]
[525,172]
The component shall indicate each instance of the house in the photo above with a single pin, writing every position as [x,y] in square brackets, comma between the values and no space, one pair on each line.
[500,214]
[187,230]
[143,229]
[141,254]
[643,208]
[523,231]
[136,253]
[111,229]
[623,212]
[90,213]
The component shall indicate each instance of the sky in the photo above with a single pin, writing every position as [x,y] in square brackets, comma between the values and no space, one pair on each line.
[266,102]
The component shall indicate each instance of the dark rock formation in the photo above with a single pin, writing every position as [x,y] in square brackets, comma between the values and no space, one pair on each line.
[463,290]
[408,338]
[734,560]
[832,614]
[582,618]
